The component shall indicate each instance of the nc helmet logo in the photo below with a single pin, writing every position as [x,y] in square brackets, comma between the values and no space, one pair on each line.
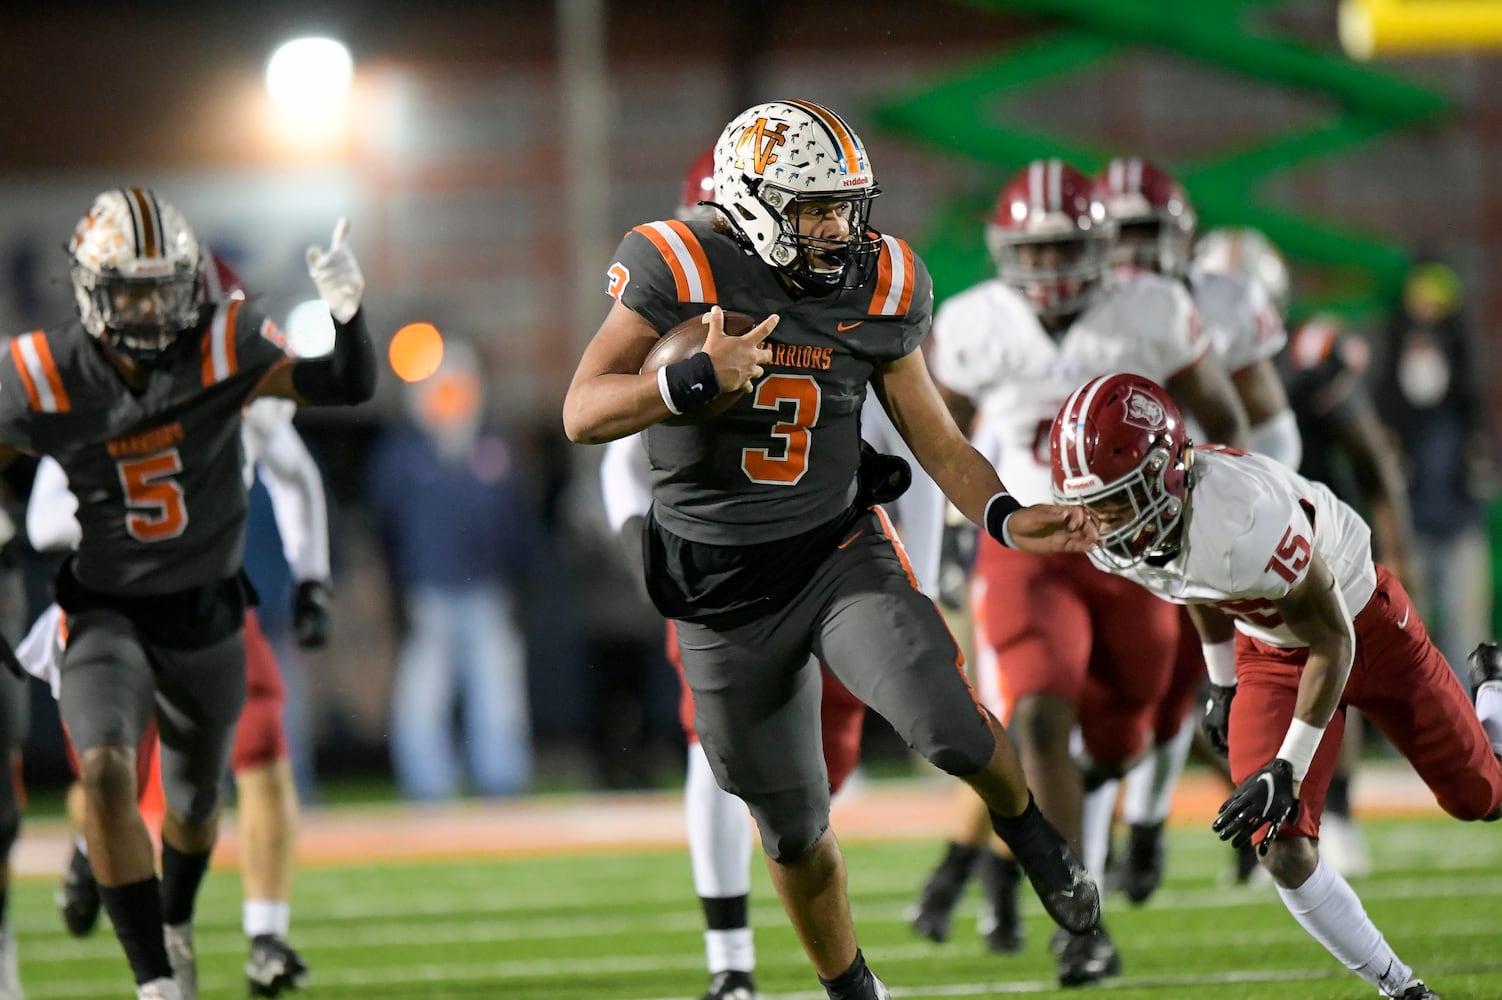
[1144,411]
[762,140]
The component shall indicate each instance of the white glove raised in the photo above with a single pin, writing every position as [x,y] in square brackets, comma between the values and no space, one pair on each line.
[337,274]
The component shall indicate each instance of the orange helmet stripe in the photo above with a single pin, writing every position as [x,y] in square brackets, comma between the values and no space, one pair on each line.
[855,163]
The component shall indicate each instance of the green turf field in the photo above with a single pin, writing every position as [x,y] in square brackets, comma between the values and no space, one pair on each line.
[626,927]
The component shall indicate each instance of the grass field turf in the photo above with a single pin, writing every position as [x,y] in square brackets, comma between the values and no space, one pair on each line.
[625,926]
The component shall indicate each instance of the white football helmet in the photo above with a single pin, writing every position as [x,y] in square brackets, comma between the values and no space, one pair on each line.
[776,156]
[1246,252]
[137,273]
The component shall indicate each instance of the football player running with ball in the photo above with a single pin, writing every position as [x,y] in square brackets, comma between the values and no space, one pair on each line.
[754,543]
[140,402]
[1297,623]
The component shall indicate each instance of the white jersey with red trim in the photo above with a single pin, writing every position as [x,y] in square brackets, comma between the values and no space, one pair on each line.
[1242,323]
[1250,527]
[988,345]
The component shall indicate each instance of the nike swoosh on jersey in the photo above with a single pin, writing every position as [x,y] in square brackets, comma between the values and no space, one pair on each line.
[843,327]
[852,538]
[1406,612]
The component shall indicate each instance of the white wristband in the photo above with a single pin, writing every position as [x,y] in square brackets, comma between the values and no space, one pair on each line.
[1220,662]
[662,387]
[1299,746]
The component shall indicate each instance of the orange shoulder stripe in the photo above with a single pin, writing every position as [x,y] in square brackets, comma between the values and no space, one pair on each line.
[44,383]
[692,279]
[895,279]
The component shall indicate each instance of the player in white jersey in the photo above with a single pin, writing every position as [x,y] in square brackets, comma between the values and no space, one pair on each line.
[267,799]
[1298,623]
[1155,222]
[1056,644]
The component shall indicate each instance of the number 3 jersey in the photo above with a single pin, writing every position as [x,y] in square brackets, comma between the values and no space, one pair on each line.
[1249,531]
[157,473]
[782,460]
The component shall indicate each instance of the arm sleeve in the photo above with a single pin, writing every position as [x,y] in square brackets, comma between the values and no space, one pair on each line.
[298,502]
[52,511]
[346,375]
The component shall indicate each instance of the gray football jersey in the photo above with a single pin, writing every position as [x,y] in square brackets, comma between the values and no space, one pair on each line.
[783,459]
[157,473]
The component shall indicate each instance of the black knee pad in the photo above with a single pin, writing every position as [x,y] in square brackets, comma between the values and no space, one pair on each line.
[790,822]
[958,746]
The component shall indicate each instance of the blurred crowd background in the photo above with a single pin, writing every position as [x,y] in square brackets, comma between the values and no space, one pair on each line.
[489,157]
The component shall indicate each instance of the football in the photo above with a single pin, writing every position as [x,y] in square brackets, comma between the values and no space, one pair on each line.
[685,339]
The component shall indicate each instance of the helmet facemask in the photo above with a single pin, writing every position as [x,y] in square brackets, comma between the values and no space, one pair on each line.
[1059,276]
[816,263]
[138,317]
[1157,245]
[1137,516]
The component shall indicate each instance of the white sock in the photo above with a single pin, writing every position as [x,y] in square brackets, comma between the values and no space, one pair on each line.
[1151,784]
[1489,711]
[719,832]
[82,844]
[1096,813]
[725,950]
[266,916]
[1330,911]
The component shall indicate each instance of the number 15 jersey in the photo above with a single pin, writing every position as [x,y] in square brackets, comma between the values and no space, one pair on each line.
[157,473]
[1250,529]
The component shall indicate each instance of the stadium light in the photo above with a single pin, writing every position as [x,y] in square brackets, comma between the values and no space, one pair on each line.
[310,329]
[308,82]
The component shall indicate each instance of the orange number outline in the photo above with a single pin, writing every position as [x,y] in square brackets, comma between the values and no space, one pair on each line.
[153,498]
[759,464]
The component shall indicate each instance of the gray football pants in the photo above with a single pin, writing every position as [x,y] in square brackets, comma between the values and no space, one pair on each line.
[756,693]
[113,682]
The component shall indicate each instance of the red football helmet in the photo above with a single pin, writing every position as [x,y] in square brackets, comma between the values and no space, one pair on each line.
[1154,217]
[220,281]
[1118,447]
[1050,235]
[698,185]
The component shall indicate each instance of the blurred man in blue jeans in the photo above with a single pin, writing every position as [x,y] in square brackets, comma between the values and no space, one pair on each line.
[456,527]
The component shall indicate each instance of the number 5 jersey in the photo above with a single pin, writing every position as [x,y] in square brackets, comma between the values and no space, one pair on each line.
[157,472]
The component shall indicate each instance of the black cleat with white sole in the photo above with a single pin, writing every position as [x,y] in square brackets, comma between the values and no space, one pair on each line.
[274,967]
[1088,958]
[1066,890]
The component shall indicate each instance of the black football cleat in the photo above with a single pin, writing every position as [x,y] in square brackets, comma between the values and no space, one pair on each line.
[1065,889]
[1485,662]
[931,915]
[1000,924]
[1088,958]
[1416,990]
[77,897]
[274,967]
[1143,871]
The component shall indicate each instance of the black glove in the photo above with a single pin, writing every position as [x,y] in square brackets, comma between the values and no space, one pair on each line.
[1266,798]
[312,614]
[1217,720]
[882,478]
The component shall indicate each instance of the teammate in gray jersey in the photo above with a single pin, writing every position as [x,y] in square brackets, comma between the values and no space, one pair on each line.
[139,401]
[754,543]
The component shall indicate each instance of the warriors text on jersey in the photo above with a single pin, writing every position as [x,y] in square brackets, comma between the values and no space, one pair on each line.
[158,473]
[745,503]
[990,346]
[1249,532]
[783,459]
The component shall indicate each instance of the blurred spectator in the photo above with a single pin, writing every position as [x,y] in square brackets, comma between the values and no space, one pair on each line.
[456,530]
[1426,390]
